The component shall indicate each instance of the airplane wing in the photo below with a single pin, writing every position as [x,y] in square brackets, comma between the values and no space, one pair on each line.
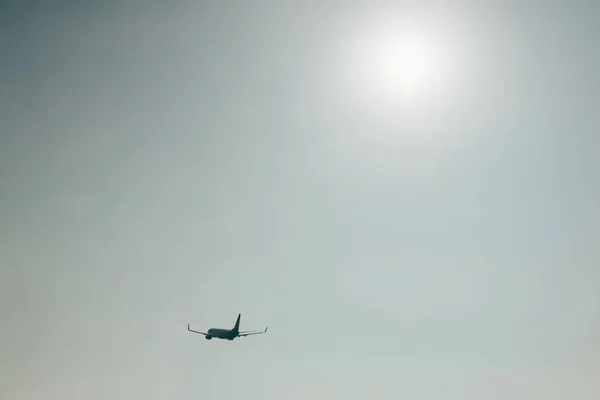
[248,333]
[202,333]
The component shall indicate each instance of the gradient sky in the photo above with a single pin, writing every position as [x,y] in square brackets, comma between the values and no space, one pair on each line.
[172,162]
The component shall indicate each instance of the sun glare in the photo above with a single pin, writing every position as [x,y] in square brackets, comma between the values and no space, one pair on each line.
[397,61]
[398,69]
[394,64]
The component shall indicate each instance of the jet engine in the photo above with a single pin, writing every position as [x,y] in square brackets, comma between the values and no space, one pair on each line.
[208,337]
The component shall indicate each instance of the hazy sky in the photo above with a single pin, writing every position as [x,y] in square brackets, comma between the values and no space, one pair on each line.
[423,234]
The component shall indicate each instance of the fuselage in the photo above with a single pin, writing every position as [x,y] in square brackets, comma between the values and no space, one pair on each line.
[228,334]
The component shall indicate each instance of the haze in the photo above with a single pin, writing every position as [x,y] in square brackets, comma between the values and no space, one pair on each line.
[418,226]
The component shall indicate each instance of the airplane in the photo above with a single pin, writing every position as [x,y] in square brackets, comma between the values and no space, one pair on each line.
[228,334]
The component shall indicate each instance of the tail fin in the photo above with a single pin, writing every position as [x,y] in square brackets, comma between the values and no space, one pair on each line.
[237,323]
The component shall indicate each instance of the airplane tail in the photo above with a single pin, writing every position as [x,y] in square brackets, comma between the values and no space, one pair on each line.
[237,323]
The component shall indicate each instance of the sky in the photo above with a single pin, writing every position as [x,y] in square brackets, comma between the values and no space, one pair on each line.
[403,192]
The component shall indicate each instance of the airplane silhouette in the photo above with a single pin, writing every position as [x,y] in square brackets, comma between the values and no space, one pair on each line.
[228,334]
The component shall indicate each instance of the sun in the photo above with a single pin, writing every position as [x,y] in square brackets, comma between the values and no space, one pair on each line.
[397,73]
[396,61]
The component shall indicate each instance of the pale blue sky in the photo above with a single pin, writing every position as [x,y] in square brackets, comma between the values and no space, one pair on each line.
[170,163]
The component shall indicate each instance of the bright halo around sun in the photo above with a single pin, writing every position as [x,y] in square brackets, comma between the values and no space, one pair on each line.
[396,64]
[400,72]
